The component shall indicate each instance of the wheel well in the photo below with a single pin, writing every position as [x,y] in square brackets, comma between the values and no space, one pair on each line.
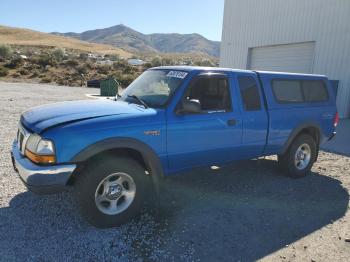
[120,152]
[313,132]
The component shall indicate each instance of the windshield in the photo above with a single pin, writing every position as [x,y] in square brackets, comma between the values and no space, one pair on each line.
[154,87]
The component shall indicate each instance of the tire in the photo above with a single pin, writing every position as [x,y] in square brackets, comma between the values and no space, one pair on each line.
[300,156]
[110,191]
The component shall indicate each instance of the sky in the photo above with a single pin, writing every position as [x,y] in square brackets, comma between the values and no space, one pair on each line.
[146,16]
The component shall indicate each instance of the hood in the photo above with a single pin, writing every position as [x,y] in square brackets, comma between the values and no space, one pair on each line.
[43,117]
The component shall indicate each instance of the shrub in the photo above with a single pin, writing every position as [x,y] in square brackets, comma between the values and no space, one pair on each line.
[89,65]
[45,60]
[14,63]
[3,71]
[105,69]
[83,56]
[113,57]
[120,64]
[34,61]
[61,82]
[147,65]
[128,69]
[33,65]
[205,62]
[15,75]
[34,75]
[156,61]
[23,72]
[168,61]
[5,51]
[72,62]
[82,69]
[46,80]
[58,54]
[125,80]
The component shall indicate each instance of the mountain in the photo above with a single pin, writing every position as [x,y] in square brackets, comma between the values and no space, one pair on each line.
[19,36]
[128,39]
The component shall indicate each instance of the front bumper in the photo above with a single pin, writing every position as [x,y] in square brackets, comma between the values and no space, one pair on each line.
[41,179]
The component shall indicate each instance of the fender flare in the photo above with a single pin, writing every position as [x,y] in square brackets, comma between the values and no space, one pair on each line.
[297,131]
[151,159]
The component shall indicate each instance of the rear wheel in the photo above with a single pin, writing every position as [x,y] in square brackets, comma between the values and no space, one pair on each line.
[299,158]
[111,191]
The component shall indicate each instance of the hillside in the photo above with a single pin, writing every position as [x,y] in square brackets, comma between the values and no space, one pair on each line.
[136,42]
[36,57]
[26,37]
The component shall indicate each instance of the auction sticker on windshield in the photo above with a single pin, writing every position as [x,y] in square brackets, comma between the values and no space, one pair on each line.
[177,74]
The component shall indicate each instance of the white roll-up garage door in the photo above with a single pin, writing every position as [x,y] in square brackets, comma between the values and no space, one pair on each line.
[295,58]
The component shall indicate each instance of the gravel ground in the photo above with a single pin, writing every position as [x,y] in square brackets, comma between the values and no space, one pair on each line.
[243,212]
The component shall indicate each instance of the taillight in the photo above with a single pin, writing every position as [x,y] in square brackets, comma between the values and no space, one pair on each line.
[336,119]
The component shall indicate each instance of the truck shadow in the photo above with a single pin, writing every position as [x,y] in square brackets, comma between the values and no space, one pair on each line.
[249,210]
[241,212]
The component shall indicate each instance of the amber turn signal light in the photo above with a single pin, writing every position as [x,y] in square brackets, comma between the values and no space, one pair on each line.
[40,159]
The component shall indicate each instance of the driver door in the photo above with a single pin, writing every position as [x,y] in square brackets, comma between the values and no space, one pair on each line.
[211,136]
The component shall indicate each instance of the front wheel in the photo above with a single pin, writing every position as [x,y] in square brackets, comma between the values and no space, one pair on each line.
[299,158]
[111,191]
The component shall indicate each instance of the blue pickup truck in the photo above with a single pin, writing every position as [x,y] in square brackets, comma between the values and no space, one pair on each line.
[115,152]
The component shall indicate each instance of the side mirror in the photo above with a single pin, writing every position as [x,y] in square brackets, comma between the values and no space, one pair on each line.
[189,107]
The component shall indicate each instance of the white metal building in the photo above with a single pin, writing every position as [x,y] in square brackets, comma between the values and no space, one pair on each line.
[304,36]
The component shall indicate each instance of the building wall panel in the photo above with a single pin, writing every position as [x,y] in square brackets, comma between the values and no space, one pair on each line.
[258,23]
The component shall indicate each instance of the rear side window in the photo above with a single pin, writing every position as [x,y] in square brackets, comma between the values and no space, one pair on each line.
[249,93]
[299,91]
[287,91]
[314,91]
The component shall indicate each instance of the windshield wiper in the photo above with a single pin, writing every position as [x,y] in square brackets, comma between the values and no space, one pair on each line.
[139,100]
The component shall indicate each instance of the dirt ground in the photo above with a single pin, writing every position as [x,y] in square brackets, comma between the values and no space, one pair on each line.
[243,212]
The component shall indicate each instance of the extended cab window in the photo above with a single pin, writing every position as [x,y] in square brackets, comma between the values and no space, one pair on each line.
[212,93]
[249,93]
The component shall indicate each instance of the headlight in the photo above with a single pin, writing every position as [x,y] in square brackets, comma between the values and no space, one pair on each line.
[32,142]
[45,147]
[40,150]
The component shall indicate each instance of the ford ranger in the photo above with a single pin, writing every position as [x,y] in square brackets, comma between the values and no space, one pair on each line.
[170,119]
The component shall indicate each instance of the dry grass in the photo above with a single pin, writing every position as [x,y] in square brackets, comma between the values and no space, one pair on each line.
[26,37]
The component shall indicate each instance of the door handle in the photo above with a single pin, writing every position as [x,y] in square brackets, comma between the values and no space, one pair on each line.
[231,122]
